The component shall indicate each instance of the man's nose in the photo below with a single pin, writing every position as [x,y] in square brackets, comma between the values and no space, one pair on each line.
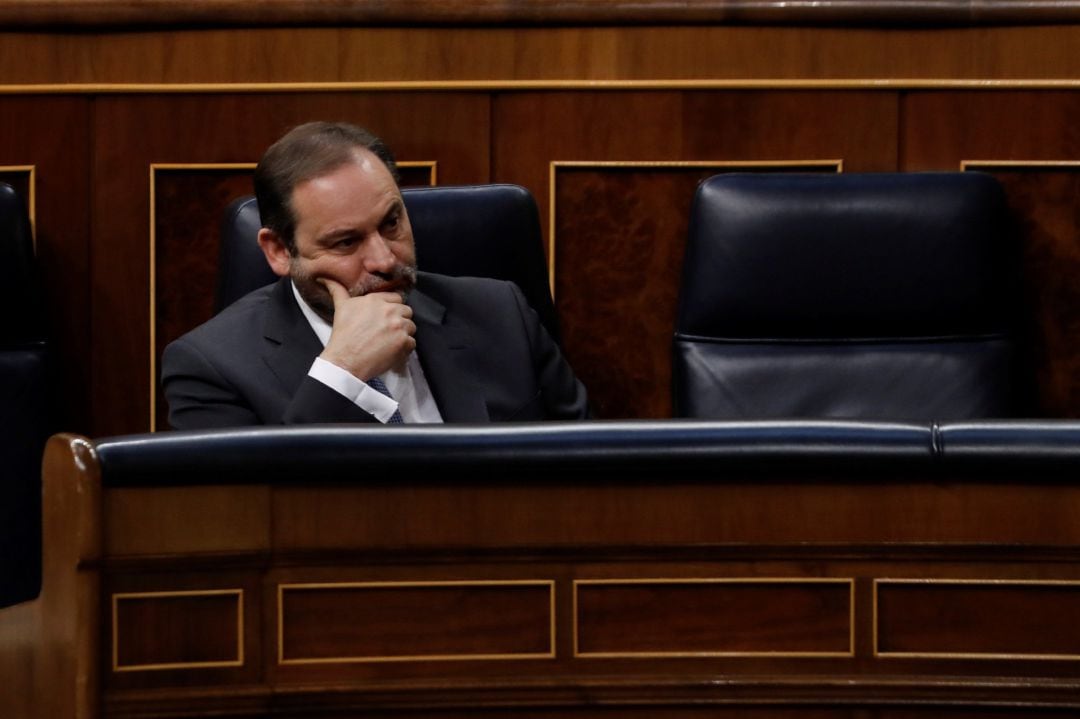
[378,256]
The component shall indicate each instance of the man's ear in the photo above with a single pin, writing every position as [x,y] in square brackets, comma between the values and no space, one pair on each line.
[277,255]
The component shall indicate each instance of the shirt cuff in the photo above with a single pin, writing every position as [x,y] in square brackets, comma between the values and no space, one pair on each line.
[356,391]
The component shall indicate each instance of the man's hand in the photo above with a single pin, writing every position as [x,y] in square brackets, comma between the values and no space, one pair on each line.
[371,334]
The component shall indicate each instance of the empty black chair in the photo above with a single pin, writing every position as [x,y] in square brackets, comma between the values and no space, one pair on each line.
[858,296]
[24,405]
[471,230]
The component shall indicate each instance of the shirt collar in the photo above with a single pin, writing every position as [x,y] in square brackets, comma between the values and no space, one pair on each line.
[320,326]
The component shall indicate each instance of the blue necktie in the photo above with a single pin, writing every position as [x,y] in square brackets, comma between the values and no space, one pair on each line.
[379,386]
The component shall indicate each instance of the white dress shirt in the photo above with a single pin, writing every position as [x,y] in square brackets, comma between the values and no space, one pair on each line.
[411,394]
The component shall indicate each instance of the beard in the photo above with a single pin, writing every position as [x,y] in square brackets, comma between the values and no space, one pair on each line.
[401,279]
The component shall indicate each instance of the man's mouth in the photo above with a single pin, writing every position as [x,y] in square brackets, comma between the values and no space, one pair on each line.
[401,283]
[395,285]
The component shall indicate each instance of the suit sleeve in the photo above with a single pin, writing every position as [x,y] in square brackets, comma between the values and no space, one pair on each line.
[200,397]
[314,402]
[564,396]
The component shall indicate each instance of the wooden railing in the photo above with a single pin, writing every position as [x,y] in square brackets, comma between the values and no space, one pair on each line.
[795,569]
[254,13]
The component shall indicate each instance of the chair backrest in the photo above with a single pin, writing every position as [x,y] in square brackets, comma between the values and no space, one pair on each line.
[471,230]
[24,405]
[885,296]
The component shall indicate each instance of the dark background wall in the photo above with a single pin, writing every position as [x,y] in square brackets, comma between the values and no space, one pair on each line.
[131,135]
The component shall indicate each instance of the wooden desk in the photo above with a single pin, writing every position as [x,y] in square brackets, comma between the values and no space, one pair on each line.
[644,569]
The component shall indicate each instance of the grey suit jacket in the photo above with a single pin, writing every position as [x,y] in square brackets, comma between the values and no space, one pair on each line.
[484,352]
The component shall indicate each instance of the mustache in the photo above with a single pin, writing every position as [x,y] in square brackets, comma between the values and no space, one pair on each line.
[401,278]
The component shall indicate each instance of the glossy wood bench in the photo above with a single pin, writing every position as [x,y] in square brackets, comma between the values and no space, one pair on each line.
[788,569]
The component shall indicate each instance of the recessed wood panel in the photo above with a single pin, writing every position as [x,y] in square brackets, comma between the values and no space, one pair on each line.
[188,206]
[977,619]
[178,630]
[617,250]
[403,621]
[722,617]
[1045,201]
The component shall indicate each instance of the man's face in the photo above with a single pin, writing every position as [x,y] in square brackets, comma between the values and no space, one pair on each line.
[351,227]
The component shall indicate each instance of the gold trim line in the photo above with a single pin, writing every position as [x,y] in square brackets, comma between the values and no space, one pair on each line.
[1010,656]
[238,662]
[105,88]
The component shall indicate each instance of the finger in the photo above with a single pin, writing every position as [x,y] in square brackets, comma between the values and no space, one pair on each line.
[386,296]
[337,291]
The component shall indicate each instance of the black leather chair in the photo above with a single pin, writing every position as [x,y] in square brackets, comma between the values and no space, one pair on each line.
[24,405]
[471,230]
[855,296]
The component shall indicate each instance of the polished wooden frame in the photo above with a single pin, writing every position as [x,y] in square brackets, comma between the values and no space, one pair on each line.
[300,586]
[718,580]
[121,596]
[968,655]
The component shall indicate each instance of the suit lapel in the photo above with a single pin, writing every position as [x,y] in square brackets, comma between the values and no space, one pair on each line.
[442,347]
[291,344]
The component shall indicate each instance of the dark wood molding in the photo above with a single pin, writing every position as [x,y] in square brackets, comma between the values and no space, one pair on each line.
[714,690]
[86,14]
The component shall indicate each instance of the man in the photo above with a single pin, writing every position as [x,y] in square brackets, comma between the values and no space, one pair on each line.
[352,332]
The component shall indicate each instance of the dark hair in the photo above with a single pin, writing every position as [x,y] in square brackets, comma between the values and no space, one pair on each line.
[305,152]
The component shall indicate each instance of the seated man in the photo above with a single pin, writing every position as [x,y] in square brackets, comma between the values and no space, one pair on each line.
[352,332]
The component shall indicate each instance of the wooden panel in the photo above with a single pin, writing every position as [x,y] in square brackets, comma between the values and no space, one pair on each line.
[940,130]
[137,132]
[1043,199]
[182,619]
[169,520]
[178,630]
[534,129]
[990,620]
[404,621]
[620,236]
[559,55]
[723,617]
[189,204]
[621,233]
[733,509]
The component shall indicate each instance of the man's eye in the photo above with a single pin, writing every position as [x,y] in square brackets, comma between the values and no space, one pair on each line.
[345,243]
[391,223]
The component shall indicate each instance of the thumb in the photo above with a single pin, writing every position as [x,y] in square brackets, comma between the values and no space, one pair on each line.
[337,291]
